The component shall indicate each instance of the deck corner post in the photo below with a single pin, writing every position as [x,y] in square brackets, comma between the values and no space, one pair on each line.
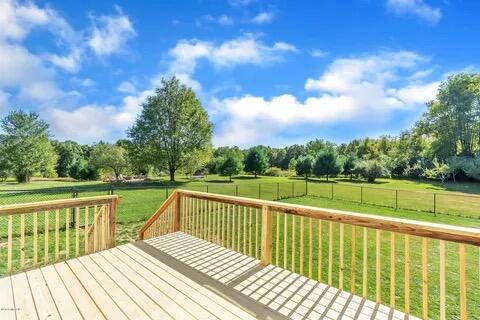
[266,240]
[177,213]
[112,221]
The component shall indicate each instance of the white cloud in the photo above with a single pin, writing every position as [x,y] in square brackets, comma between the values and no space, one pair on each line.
[318,53]
[69,63]
[240,2]
[225,20]
[243,50]
[350,90]
[4,101]
[87,82]
[417,8]
[25,72]
[126,87]
[110,33]
[263,17]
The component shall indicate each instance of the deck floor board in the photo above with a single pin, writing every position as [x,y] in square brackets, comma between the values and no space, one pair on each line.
[176,276]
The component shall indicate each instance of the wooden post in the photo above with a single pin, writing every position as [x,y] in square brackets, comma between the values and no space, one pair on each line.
[176,213]
[112,221]
[266,246]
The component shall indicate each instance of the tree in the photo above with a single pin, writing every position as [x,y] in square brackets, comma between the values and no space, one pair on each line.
[4,169]
[304,166]
[25,145]
[69,152]
[372,169]
[171,126]
[292,152]
[440,170]
[292,165]
[453,117]
[109,156]
[472,168]
[197,160]
[83,170]
[349,164]
[327,164]
[457,165]
[232,165]
[256,161]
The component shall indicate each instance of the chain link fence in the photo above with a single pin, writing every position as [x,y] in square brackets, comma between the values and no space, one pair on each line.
[434,202]
[140,201]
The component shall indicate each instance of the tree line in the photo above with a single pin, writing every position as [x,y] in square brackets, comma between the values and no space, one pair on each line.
[173,134]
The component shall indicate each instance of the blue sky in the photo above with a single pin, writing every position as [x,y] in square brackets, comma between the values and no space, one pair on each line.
[268,72]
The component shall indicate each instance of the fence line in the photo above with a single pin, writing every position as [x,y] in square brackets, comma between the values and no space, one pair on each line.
[139,206]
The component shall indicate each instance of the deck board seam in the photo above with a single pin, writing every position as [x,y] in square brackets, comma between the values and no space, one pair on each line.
[50,291]
[261,311]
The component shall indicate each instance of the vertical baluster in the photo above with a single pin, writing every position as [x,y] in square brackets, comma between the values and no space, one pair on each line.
[442,280]
[239,227]
[342,266]
[95,228]
[85,232]
[424,278]
[35,238]
[285,242]
[234,223]
[365,264]
[407,274]
[228,226]
[67,232]
[22,241]
[219,223]
[224,218]
[320,253]
[310,248]
[293,243]
[277,239]
[209,220]
[250,227]
[244,230]
[353,261]
[378,267]
[302,238]
[77,232]
[57,234]
[392,269]
[330,252]
[46,246]
[463,281]
[9,244]
[257,224]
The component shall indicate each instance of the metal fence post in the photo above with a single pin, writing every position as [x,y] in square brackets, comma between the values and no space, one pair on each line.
[435,204]
[72,215]
[207,188]
[259,191]
[111,189]
[396,199]
[278,190]
[332,190]
[166,192]
[293,189]
[306,186]
[361,195]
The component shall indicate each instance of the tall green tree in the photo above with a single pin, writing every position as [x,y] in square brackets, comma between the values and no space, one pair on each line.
[232,165]
[453,117]
[349,163]
[256,161]
[171,126]
[372,169]
[304,166]
[327,164]
[110,157]
[25,145]
[69,152]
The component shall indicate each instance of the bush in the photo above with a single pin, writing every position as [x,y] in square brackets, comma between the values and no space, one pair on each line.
[82,170]
[372,169]
[414,171]
[276,172]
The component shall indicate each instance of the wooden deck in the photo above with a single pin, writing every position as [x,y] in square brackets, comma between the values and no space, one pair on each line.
[176,276]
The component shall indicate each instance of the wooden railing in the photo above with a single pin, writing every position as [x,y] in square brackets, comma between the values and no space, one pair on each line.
[424,269]
[39,233]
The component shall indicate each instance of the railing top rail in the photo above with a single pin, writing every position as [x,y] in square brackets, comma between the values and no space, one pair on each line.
[405,226]
[55,204]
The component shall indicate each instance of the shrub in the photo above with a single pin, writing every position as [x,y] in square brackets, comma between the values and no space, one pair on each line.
[414,171]
[372,169]
[276,172]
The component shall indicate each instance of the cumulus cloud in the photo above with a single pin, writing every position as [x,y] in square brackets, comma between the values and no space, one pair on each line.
[242,50]
[110,33]
[318,53]
[417,8]
[350,90]
[126,87]
[263,17]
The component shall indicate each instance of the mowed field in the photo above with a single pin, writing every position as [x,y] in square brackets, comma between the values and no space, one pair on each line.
[140,201]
